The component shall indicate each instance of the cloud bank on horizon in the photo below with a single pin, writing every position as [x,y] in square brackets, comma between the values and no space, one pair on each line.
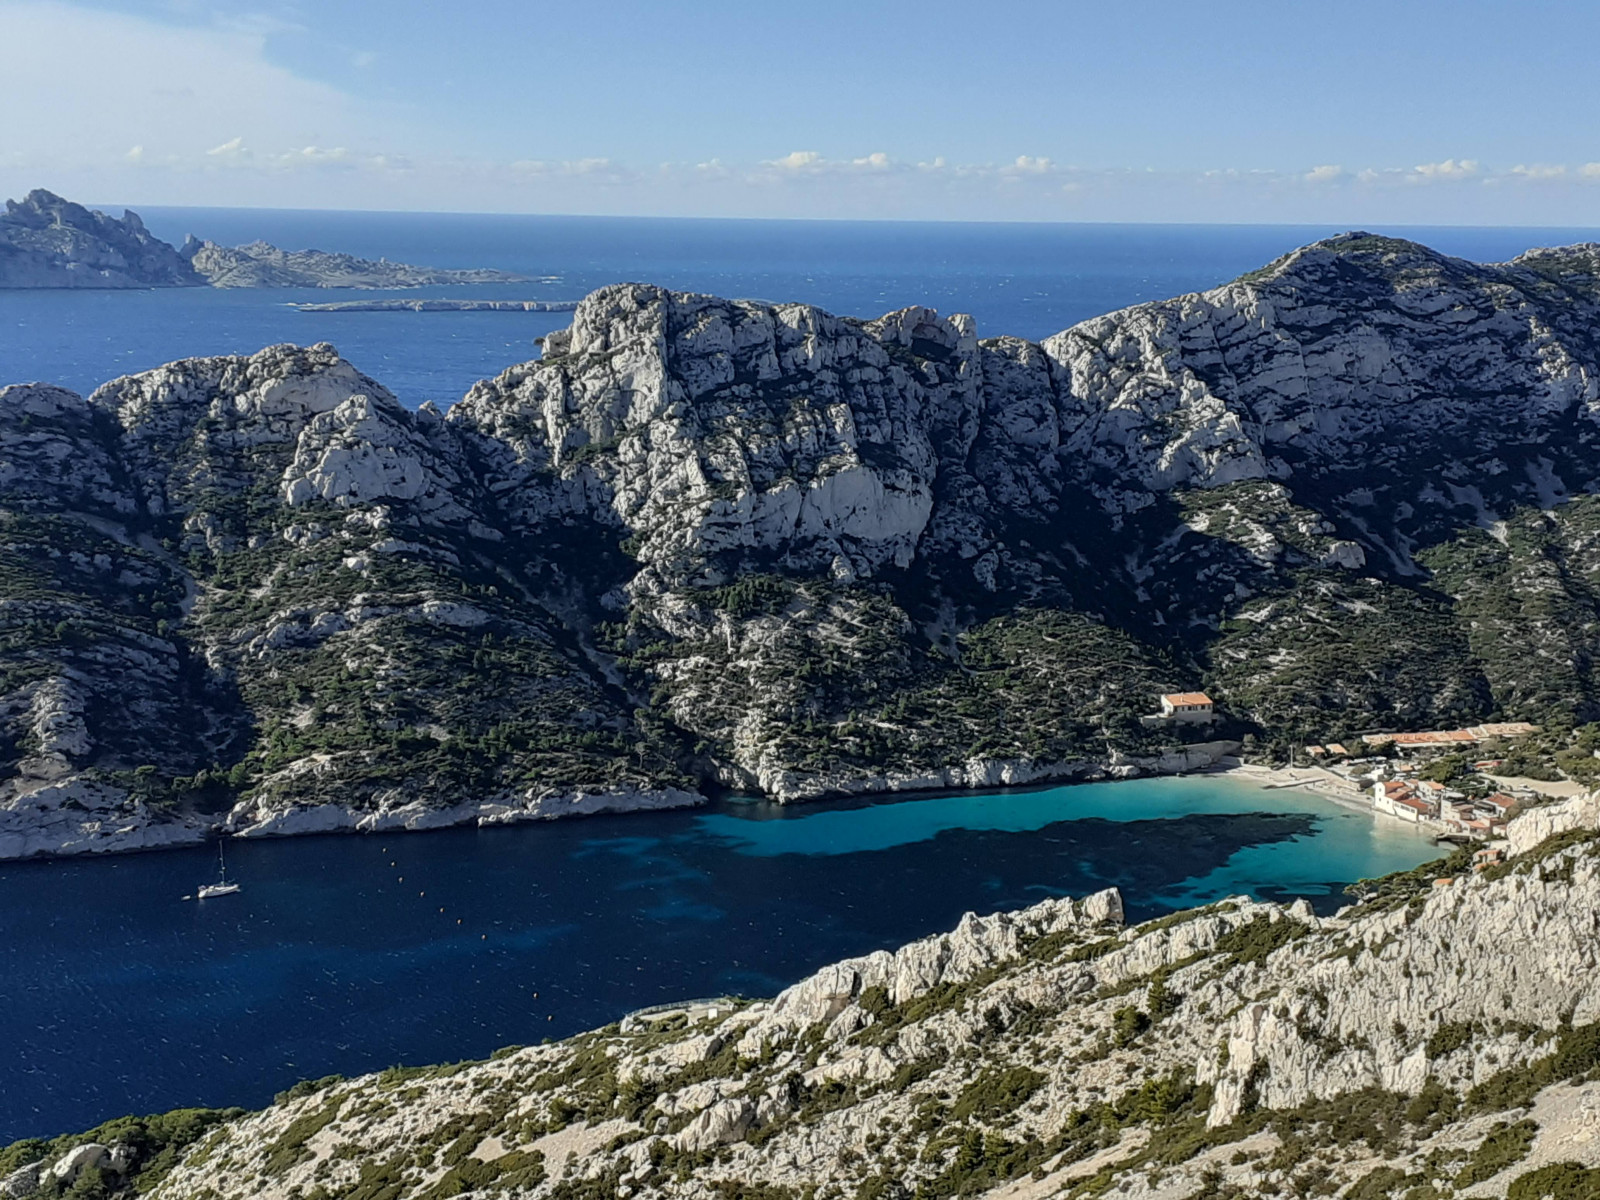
[508,108]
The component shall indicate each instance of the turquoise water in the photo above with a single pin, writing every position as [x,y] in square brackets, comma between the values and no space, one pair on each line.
[1349,843]
[349,954]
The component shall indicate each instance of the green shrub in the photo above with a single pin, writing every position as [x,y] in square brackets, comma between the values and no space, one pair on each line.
[997,1094]
[1449,1037]
[1259,937]
[1127,1024]
[1558,1181]
[1506,1146]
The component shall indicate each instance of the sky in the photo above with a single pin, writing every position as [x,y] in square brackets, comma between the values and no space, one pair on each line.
[1356,112]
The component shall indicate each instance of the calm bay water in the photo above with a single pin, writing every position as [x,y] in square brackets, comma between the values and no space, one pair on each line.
[1029,280]
[348,954]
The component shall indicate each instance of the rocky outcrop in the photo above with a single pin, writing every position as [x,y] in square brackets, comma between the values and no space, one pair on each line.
[1442,1037]
[1579,813]
[262,265]
[48,242]
[723,543]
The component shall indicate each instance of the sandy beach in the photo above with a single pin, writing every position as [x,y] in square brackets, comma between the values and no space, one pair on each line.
[1315,779]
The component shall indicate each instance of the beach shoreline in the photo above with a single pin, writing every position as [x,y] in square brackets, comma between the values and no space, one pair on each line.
[1323,782]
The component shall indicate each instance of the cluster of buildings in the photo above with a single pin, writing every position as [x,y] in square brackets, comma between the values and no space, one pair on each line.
[1451,739]
[1396,788]
[1398,791]
[1419,800]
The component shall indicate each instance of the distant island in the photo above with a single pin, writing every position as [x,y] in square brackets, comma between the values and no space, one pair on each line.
[262,265]
[408,305]
[50,242]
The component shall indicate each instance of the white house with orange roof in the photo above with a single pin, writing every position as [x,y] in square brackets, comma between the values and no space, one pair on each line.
[1194,707]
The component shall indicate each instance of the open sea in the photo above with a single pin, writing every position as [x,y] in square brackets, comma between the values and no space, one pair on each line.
[348,954]
[1023,279]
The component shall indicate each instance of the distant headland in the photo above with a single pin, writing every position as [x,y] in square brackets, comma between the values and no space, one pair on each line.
[50,242]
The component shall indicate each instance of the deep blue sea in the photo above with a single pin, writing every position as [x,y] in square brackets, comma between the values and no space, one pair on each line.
[346,954]
[352,953]
[1028,280]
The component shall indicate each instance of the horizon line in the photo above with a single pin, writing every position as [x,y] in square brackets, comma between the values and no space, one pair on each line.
[833,220]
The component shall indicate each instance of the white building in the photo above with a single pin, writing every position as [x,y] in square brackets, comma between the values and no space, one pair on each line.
[1195,707]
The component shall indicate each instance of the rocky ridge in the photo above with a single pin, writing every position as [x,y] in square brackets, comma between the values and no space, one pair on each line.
[1431,1037]
[710,543]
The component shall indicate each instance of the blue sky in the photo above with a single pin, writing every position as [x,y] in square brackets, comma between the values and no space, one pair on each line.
[1236,110]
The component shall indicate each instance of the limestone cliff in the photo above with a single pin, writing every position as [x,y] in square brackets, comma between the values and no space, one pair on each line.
[1430,1041]
[722,542]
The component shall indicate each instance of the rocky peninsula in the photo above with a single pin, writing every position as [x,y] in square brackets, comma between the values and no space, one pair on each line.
[49,242]
[708,543]
[1440,1037]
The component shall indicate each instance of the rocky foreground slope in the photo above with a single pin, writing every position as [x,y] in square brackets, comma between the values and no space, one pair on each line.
[1430,1042]
[708,542]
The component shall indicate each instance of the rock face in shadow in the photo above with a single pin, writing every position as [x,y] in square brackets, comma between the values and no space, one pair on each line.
[48,242]
[722,542]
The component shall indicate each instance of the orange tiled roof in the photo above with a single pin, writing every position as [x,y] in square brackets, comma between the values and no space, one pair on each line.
[1176,698]
[1433,737]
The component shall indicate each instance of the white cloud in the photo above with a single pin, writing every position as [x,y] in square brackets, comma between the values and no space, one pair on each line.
[1539,171]
[232,148]
[1326,174]
[1449,169]
[798,160]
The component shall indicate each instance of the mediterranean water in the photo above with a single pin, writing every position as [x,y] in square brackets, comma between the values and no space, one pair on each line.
[346,954]
[1022,279]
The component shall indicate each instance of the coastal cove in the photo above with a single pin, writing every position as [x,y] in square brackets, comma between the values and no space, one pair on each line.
[348,954]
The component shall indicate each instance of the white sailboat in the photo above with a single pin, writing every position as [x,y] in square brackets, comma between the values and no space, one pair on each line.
[221,887]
